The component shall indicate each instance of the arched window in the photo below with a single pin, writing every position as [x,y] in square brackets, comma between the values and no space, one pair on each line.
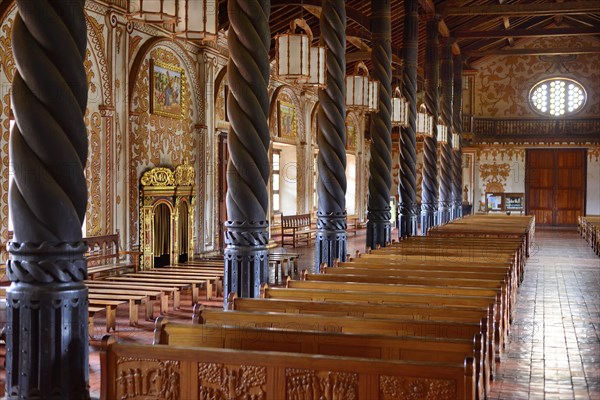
[557,97]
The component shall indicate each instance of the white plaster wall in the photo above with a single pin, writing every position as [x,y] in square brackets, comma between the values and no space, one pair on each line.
[288,171]
[501,165]
[351,182]
[592,205]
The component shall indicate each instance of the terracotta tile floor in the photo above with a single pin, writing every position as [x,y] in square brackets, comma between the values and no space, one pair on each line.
[554,347]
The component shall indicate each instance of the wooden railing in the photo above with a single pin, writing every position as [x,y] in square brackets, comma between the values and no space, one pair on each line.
[533,129]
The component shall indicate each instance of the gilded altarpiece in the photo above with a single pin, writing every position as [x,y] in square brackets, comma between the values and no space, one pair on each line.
[155,139]
[176,190]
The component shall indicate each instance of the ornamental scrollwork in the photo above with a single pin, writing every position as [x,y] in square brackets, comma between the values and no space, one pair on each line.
[184,175]
[159,176]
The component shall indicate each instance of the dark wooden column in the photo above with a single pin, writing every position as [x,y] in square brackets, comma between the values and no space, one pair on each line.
[47,306]
[380,165]
[246,236]
[445,204]
[331,242]
[408,141]
[457,128]
[432,76]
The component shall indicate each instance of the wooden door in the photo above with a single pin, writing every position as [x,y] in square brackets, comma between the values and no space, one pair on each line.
[555,185]
[570,186]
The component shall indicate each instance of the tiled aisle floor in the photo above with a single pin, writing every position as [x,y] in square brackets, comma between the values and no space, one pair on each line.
[554,346]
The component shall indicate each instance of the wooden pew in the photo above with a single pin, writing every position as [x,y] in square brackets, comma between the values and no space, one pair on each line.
[178,283]
[110,308]
[104,257]
[298,228]
[316,295]
[151,297]
[382,347]
[500,297]
[165,290]
[404,311]
[199,373]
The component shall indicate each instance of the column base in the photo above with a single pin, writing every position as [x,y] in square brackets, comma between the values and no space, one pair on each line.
[47,341]
[408,221]
[379,228]
[246,268]
[427,219]
[332,240]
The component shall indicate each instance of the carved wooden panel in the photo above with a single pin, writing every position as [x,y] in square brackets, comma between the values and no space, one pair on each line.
[406,388]
[231,382]
[138,378]
[307,384]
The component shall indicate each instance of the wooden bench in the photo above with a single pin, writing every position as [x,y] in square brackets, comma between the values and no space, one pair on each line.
[298,228]
[365,310]
[104,258]
[165,290]
[382,347]
[589,229]
[198,373]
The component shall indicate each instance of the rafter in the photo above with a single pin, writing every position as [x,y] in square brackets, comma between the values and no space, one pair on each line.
[536,51]
[464,34]
[513,10]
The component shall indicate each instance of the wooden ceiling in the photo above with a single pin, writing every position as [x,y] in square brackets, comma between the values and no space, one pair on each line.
[477,28]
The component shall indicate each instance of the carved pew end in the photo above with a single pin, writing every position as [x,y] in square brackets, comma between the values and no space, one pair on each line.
[197,317]
[287,282]
[158,324]
[263,288]
[303,274]
[231,300]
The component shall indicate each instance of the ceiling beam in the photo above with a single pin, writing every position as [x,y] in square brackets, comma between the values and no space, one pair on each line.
[351,13]
[427,6]
[536,51]
[527,10]
[506,22]
[366,56]
[464,34]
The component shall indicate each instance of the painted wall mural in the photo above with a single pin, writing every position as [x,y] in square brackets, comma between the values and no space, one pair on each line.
[503,83]
[156,140]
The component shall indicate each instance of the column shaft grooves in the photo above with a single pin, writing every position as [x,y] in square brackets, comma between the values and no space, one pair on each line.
[249,40]
[380,165]
[331,238]
[408,145]
[48,200]
[446,148]
[430,178]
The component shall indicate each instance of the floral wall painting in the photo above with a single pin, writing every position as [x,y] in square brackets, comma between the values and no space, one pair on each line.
[288,121]
[167,90]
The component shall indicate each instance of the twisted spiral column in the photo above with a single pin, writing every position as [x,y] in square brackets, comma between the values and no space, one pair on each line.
[432,76]
[445,205]
[380,165]
[408,142]
[457,128]
[47,327]
[331,241]
[246,235]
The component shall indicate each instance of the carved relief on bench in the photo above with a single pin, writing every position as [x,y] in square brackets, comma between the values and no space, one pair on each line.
[137,377]
[219,381]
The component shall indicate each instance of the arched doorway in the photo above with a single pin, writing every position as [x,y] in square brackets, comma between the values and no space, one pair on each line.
[182,231]
[161,234]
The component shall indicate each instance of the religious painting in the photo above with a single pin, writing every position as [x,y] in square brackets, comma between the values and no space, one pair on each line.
[167,90]
[288,121]
[350,136]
